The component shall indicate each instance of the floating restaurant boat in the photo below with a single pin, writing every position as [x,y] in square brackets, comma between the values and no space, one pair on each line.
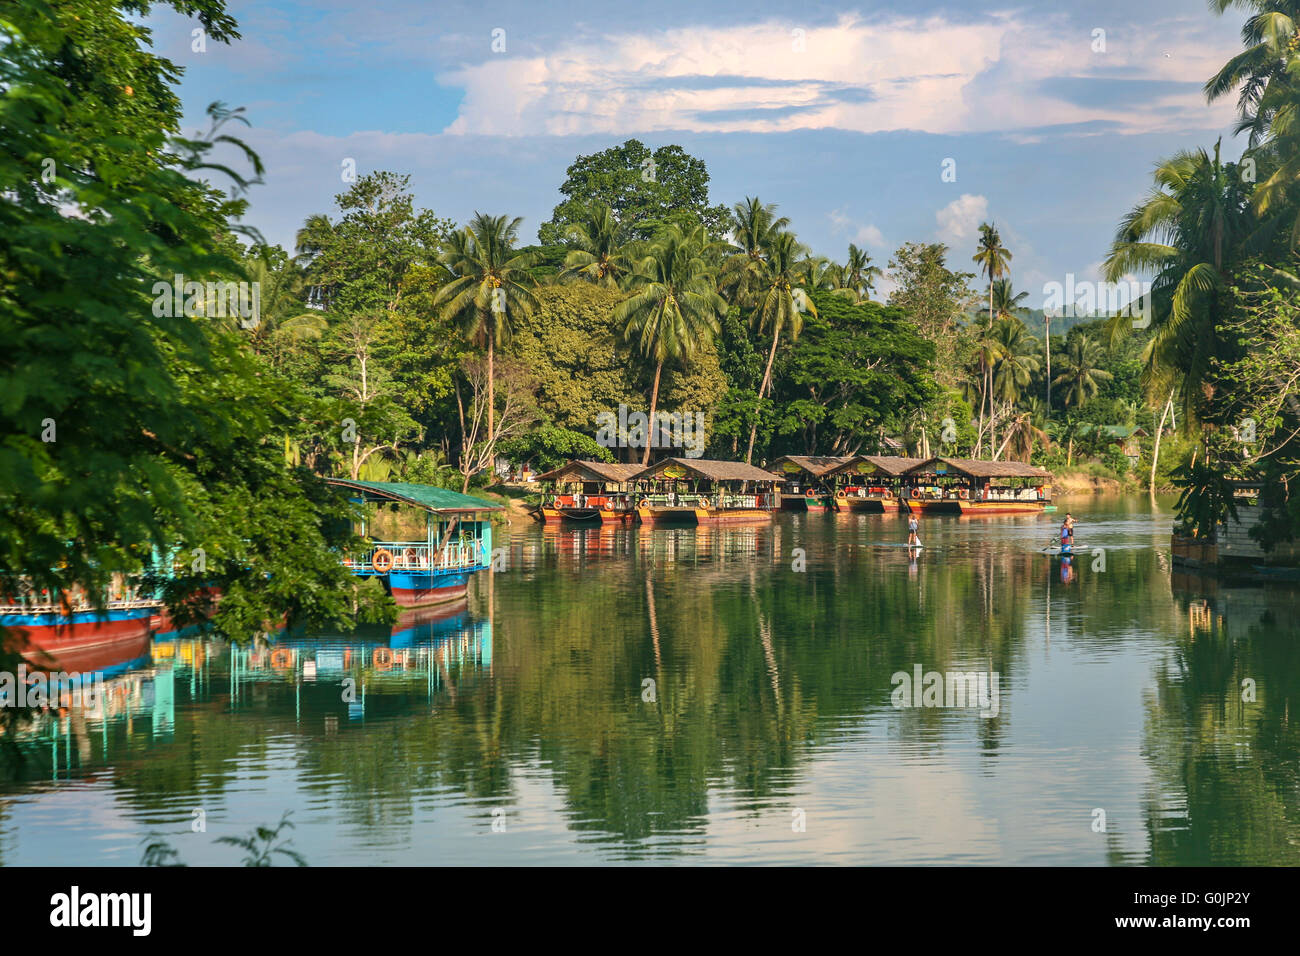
[966,486]
[588,491]
[808,490]
[870,483]
[66,631]
[697,490]
[457,541]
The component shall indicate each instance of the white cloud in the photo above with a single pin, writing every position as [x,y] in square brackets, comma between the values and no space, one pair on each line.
[960,219]
[866,75]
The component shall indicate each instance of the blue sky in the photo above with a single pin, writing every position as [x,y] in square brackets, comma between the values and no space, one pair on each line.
[842,115]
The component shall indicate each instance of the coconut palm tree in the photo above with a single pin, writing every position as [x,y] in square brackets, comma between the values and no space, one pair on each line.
[674,307]
[1080,374]
[859,274]
[1190,231]
[754,224]
[779,301]
[1016,360]
[487,287]
[994,261]
[596,255]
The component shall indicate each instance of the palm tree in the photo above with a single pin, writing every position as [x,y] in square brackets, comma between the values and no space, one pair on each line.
[994,261]
[1189,231]
[1016,362]
[779,303]
[596,256]
[674,308]
[1080,373]
[859,274]
[486,288]
[754,224]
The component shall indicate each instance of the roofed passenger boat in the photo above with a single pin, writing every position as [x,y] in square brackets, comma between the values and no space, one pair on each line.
[434,567]
[969,487]
[588,491]
[807,489]
[870,483]
[698,491]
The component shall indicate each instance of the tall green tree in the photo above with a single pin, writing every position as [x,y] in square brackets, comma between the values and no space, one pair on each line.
[489,284]
[645,189]
[779,303]
[1189,232]
[1081,373]
[673,309]
[597,255]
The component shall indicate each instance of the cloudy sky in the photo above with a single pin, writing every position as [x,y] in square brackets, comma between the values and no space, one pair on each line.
[842,115]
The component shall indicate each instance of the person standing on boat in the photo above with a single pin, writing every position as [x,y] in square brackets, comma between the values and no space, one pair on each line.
[913,540]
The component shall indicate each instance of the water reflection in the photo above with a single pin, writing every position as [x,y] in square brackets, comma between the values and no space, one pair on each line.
[619,695]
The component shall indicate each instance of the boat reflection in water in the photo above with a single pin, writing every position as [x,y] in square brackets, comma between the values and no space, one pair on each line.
[425,652]
[378,670]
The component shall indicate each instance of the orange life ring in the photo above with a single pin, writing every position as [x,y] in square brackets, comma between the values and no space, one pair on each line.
[383,659]
[281,658]
[916,492]
[644,503]
[840,494]
[964,493]
[886,493]
[382,561]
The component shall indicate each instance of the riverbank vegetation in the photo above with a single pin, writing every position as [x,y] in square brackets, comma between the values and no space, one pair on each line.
[393,343]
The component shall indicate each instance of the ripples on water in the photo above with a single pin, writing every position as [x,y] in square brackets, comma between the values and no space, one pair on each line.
[512,728]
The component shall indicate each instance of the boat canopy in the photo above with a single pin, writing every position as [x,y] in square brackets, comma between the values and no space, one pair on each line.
[599,471]
[971,468]
[427,497]
[818,466]
[890,466]
[678,468]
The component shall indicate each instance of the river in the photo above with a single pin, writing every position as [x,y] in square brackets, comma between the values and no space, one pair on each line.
[721,695]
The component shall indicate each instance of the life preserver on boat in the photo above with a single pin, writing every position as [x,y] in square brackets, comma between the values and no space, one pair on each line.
[841,494]
[382,659]
[643,503]
[916,492]
[964,493]
[886,493]
[382,561]
[555,502]
[281,658]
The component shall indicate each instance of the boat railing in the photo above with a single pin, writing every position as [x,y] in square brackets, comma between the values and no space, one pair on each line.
[416,557]
[601,502]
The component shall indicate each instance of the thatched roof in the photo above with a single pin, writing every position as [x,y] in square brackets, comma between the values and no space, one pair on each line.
[710,470]
[815,465]
[577,470]
[889,465]
[978,469]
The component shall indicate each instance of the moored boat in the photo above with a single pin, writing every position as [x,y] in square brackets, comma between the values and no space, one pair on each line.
[870,483]
[807,489]
[701,491]
[456,544]
[68,632]
[964,486]
[588,492]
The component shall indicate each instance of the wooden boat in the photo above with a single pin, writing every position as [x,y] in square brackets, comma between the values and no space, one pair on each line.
[701,491]
[965,486]
[66,632]
[806,490]
[870,483]
[457,541]
[588,492]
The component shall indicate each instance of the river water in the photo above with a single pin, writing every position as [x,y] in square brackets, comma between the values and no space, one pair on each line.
[721,695]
